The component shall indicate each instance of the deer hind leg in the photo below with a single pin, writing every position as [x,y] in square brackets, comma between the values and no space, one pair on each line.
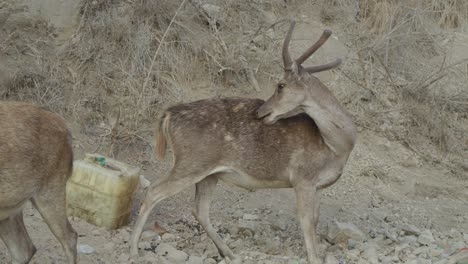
[201,211]
[175,183]
[51,204]
[308,213]
[14,234]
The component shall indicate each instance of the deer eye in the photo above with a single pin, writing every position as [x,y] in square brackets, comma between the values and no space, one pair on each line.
[281,86]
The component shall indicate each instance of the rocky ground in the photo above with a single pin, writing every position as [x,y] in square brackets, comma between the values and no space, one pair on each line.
[389,207]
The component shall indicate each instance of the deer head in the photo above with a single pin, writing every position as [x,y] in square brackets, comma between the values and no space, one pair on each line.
[297,85]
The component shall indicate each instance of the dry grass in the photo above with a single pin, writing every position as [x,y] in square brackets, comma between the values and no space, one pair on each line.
[406,86]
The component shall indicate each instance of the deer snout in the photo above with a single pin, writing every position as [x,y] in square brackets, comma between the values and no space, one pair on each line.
[263,111]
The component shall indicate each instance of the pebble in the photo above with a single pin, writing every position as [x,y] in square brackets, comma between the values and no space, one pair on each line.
[194,260]
[330,259]
[353,254]
[352,243]
[426,238]
[453,233]
[408,239]
[340,232]
[173,255]
[86,249]
[149,235]
[410,229]
[144,183]
[250,217]
[168,236]
[370,254]
[210,261]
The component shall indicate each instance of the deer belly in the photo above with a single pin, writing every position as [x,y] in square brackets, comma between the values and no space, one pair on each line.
[6,212]
[249,182]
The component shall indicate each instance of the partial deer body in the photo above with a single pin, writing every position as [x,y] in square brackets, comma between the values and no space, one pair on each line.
[36,160]
[300,138]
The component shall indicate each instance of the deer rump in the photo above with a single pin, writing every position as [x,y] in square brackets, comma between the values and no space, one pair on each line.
[224,135]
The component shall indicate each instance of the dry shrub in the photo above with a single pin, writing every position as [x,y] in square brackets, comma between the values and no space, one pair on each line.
[405,86]
[450,13]
[379,15]
[118,58]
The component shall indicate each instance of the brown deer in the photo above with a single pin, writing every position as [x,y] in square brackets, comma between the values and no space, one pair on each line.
[36,160]
[300,138]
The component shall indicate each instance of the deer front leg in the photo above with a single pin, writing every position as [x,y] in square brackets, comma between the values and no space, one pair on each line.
[308,200]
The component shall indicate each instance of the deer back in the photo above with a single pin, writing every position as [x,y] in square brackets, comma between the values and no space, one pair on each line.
[33,143]
[226,132]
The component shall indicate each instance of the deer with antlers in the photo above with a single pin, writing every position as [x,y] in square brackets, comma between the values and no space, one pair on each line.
[300,138]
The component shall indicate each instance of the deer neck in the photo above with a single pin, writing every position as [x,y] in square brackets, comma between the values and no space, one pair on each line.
[335,124]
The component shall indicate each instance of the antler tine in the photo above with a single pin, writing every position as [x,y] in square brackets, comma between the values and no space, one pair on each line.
[325,35]
[324,67]
[286,56]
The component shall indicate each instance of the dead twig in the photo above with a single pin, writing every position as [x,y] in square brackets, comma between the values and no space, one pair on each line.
[150,70]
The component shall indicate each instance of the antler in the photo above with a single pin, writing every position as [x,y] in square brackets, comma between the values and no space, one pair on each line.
[325,35]
[287,57]
[287,61]
[324,67]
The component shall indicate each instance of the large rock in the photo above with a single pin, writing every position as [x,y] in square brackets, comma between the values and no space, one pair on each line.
[341,232]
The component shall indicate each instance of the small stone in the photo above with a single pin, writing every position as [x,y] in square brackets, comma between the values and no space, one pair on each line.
[370,254]
[194,260]
[168,236]
[340,232]
[238,214]
[210,261]
[453,233]
[353,254]
[408,239]
[424,261]
[379,214]
[173,255]
[410,229]
[426,238]
[389,259]
[144,183]
[401,247]
[86,249]
[163,260]
[250,217]
[390,218]
[352,243]
[390,236]
[273,246]
[412,261]
[149,235]
[421,251]
[246,225]
[330,259]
